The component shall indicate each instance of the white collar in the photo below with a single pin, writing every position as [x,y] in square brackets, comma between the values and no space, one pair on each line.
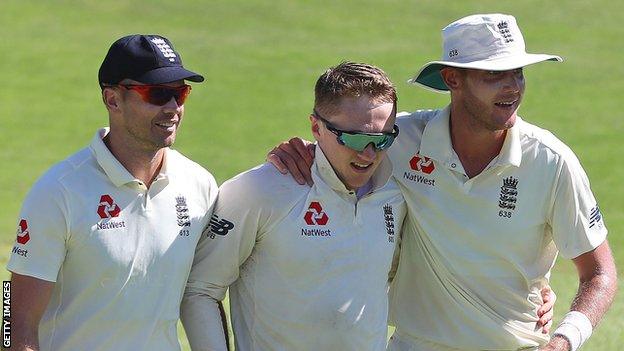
[436,141]
[115,171]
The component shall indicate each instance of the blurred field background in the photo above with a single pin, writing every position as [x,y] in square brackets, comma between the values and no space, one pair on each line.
[261,60]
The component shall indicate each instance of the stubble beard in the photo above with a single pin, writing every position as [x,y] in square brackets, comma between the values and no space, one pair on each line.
[476,110]
[151,143]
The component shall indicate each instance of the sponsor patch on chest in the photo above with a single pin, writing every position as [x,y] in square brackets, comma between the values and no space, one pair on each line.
[422,167]
[317,217]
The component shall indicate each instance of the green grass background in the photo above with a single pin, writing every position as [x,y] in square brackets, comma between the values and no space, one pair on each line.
[261,59]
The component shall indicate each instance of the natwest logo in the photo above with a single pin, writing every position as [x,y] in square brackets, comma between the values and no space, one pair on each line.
[22,232]
[315,214]
[108,208]
[422,164]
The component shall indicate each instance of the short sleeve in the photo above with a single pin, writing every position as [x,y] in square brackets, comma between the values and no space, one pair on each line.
[42,229]
[576,220]
[227,240]
[209,189]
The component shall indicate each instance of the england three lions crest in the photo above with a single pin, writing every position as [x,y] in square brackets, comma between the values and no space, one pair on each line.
[508,197]
[389,220]
[182,212]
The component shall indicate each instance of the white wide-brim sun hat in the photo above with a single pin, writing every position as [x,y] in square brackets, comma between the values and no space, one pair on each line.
[490,42]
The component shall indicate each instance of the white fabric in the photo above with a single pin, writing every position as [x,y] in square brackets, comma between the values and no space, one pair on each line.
[575,327]
[296,286]
[202,322]
[485,42]
[476,252]
[119,280]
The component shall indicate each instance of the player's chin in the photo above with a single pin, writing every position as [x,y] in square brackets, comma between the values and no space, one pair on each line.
[360,177]
[168,141]
[503,122]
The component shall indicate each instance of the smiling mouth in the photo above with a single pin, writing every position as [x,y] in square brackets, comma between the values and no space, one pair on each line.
[361,166]
[165,125]
[506,104]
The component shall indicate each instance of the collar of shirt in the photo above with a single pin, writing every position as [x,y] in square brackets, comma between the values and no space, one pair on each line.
[115,171]
[436,142]
[323,171]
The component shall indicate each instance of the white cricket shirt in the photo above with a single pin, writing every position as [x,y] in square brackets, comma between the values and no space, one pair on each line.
[119,253]
[476,252]
[307,266]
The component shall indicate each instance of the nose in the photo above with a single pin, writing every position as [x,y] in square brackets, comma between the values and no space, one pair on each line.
[369,153]
[514,82]
[172,106]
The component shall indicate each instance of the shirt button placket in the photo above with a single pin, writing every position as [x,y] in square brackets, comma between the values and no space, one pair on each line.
[144,194]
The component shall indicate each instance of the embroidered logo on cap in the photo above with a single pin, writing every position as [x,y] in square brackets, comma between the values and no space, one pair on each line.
[166,50]
[503,28]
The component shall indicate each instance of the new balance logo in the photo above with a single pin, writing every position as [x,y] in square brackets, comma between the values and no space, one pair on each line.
[594,216]
[219,226]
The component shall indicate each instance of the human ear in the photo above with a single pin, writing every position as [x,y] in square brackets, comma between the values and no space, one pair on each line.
[314,125]
[452,77]
[111,99]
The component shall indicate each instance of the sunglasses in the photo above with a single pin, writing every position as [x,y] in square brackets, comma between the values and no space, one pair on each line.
[358,141]
[160,94]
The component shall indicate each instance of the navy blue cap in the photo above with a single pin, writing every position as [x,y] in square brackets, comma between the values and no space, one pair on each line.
[149,59]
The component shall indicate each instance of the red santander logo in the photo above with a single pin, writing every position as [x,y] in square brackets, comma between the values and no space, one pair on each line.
[422,164]
[108,208]
[315,214]
[22,232]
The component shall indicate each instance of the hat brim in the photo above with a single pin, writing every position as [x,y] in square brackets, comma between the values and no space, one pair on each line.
[169,74]
[430,78]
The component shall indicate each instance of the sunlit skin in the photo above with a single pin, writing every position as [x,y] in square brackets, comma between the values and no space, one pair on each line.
[145,126]
[361,114]
[491,98]
[484,105]
[139,130]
